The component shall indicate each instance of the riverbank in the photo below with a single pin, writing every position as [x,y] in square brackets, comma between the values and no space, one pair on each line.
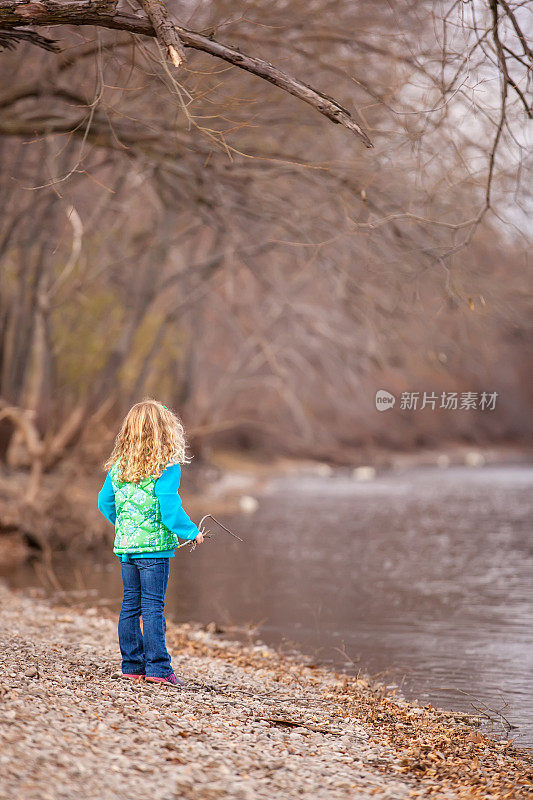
[254,724]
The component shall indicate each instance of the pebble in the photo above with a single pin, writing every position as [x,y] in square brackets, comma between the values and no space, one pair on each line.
[31,672]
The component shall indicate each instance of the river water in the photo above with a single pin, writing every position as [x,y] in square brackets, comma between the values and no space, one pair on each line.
[424,577]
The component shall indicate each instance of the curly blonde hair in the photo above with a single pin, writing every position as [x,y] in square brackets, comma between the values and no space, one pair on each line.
[151,438]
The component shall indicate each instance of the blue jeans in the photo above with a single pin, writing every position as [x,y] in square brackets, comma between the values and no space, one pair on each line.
[145,584]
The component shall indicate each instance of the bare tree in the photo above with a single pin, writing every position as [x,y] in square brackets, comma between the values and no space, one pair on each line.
[198,234]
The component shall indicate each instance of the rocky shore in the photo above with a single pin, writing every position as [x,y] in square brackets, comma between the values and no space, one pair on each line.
[251,724]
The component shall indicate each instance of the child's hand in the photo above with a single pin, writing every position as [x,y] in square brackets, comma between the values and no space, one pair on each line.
[201,536]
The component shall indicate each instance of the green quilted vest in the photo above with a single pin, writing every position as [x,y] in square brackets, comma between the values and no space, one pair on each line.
[138,526]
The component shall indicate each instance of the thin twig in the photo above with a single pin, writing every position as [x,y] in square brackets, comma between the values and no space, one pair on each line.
[208,535]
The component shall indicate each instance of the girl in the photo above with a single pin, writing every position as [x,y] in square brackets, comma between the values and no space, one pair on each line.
[140,497]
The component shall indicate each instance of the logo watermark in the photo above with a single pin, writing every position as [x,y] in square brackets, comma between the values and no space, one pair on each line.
[384,400]
[449,401]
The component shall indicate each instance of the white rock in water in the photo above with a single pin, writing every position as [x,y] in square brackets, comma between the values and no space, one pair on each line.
[443,460]
[323,470]
[248,504]
[474,459]
[364,473]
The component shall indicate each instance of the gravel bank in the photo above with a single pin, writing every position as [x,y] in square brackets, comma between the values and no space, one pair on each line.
[253,724]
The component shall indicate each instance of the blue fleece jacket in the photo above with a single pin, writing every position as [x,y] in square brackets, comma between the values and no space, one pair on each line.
[173,514]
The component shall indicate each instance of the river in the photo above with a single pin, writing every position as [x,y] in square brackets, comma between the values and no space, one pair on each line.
[423,577]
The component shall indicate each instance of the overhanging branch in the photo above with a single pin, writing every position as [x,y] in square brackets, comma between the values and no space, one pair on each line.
[102,13]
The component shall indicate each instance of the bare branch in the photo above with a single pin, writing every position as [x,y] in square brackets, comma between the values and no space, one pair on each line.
[103,14]
[10,39]
[518,30]
[502,60]
[165,30]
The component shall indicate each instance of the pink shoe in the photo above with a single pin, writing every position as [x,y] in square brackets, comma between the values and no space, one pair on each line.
[132,676]
[171,679]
